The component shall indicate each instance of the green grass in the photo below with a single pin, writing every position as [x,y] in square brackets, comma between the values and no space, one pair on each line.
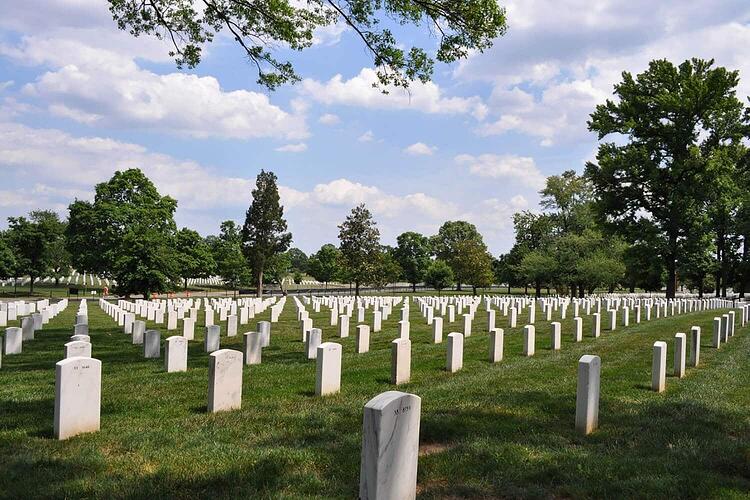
[504,430]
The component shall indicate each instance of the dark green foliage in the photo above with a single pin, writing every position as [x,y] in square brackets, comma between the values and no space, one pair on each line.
[194,256]
[439,275]
[325,264]
[412,253]
[35,243]
[360,247]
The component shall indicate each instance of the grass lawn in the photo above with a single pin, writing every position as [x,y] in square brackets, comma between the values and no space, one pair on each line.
[504,430]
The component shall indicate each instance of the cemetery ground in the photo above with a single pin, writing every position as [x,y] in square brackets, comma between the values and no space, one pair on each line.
[489,430]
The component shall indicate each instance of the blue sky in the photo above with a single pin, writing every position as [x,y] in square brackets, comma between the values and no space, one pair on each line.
[79,99]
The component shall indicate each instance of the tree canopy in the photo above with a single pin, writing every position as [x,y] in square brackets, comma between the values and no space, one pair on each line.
[261,27]
[360,246]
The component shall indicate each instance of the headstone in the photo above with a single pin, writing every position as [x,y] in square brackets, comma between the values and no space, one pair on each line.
[717,333]
[78,389]
[625,316]
[390,447]
[497,337]
[596,327]
[437,330]
[253,348]
[328,369]
[139,328]
[490,320]
[232,325]
[529,340]
[659,367]
[577,329]
[77,349]
[400,361]
[695,345]
[13,341]
[152,344]
[613,319]
[555,335]
[455,352]
[467,325]
[188,328]
[680,348]
[363,338]
[82,338]
[27,327]
[587,394]
[377,318]
[403,329]
[264,328]
[343,326]
[175,354]
[314,339]
[212,342]
[224,380]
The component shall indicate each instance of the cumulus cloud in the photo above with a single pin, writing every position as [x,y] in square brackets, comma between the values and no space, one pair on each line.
[329,119]
[293,148]
[99,86]
[511,167]
[419,149]
[358,91]
[366,137]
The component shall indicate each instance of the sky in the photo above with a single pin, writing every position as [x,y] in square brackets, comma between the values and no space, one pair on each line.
[80,99]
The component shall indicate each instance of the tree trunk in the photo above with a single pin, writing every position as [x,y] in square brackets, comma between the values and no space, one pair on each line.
[31,285]
[414,287]
[260,283]
[538,289]
[743,266]
[581,291]
[356,288]
[526,289]
[573,290]
[508,289]
[57,281]
[700,288]
[185,283]
[473,290]
[671,276]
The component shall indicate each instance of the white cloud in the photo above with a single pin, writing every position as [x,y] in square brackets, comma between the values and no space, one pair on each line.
[96,86]
[329,119]
[358,91]
[366,137]
[511,167]
[420,149]
[293,148]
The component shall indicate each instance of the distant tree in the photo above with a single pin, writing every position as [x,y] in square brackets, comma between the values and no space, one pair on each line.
[642,270]
[439,275]
[127,219]
[34,241]
[537,267]
[298,259]
[412,253]
[297,277]
[264,234]
[360,246]
[59,259]
[387,269]
[226,250]
[503,271]
[278,268]
[474,263]
[325,264]
[672,119]
[8,263]
[194,257]
[444,244]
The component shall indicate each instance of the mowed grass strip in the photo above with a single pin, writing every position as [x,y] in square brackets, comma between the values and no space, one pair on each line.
[502,430]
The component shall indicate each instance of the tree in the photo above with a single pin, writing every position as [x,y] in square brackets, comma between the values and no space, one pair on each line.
[259,26]
[33,242]
[387,269]
[194,258]
[127,218]
[226,250]
[360,246]
[673,118]
[59,259]
[325,264]
[444,244]
[8,262]
[264,234]
[474,263]
[439,275]
[537,267]
[298,260]
[412,253]
[278,268]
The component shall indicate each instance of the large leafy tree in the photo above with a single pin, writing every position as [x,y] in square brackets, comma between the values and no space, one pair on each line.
[439,275]
[413,253]
[360,246]
[34,241]
[672,117]
[126,233]
[258,26]
[325,264]
[7,258]
[387,269]
[298,260]
[226,250]
[445,244]
[264,234]
[193,254]
[474,263]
